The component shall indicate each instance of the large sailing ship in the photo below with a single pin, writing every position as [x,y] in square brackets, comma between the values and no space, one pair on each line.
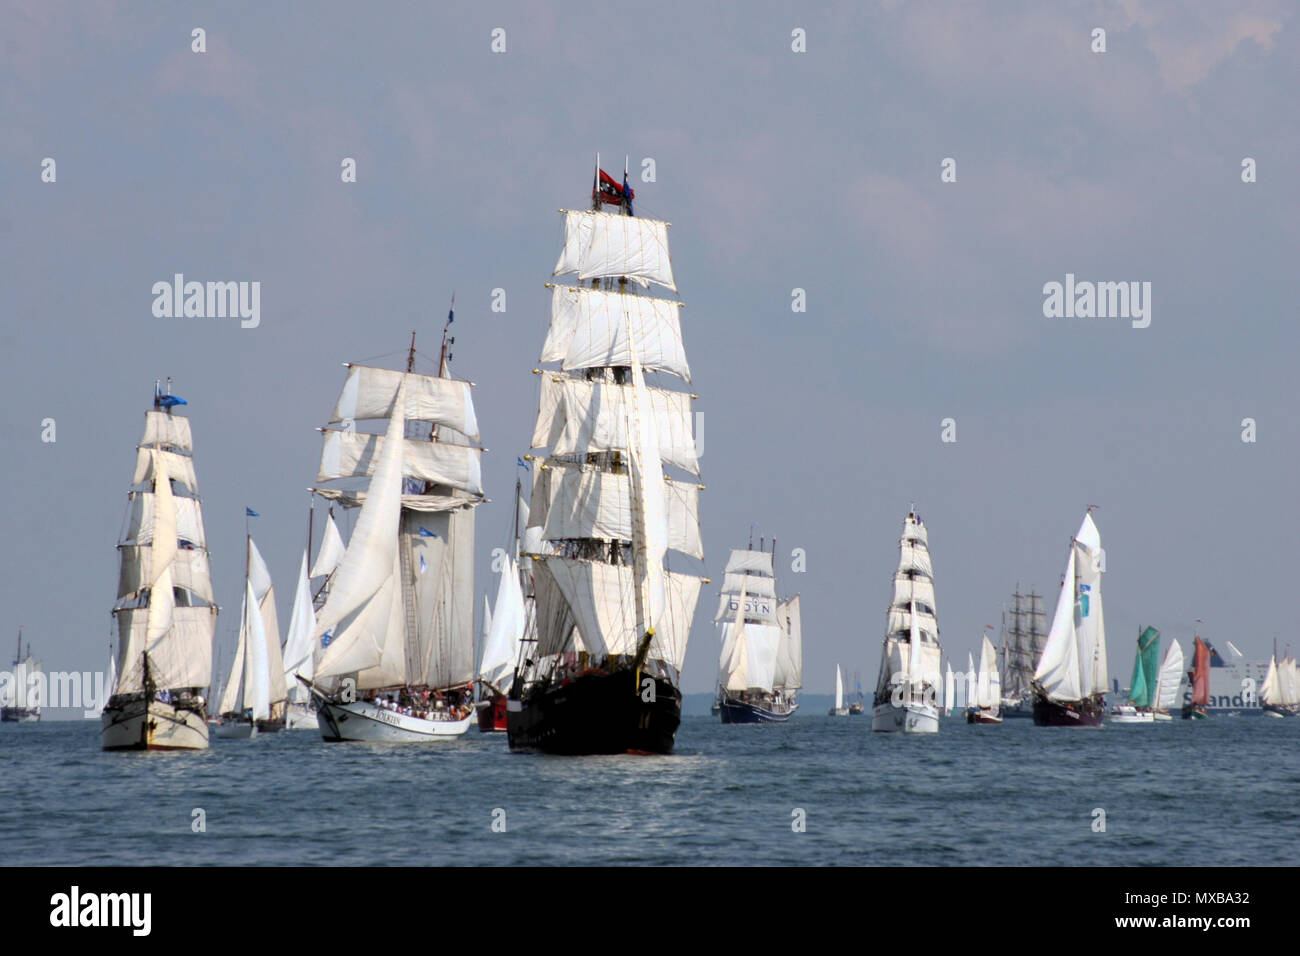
[909,685]
[1070,681]
[394,639]
[1022,646]
[603,673]
[166,612]
[1143,691]
[255,694]
[22,695]
[761,658]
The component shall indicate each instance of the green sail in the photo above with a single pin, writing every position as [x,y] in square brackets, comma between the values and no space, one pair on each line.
[1146,669]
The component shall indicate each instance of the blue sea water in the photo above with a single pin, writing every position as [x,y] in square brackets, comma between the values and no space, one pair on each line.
[1215,792]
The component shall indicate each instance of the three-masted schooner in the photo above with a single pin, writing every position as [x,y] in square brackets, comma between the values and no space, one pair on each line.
[909,685]
[21,702]
[1022,646]
[255,694]
[394,640]
[602,675]
[166,613]
[1070,682]
[760,664]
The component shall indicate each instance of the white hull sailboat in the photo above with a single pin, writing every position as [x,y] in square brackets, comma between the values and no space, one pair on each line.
[1280,694]
[839,710]
[1144,685]
[985,708]
[165,610]
[234,730]
[254,698]
[394,641]
[910,681]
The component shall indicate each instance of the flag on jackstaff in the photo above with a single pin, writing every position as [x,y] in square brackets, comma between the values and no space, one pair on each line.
[250,513]
[608,191]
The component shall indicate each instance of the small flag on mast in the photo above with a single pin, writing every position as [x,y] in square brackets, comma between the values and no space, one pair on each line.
[523,464]
[250,513]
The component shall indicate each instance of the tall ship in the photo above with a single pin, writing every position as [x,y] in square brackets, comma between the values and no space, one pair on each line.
[1196,707]
[1168,680]
[909,684]
[1022,646]
[22,696]
[761,659]
[987,706]
[1280,694]
[1070,681]
[165,611]
[255,694]
[394,638]
[602,675]
[1142,690]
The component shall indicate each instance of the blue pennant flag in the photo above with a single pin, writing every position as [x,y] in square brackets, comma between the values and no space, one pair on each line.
[523,464]
[249,512]
[170,401]
[426,533]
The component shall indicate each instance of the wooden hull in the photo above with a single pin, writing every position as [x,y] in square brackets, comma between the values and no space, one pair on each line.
[1082,713]
[155,725]
[597,712]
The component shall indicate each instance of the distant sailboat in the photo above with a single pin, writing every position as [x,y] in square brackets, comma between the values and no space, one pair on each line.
[22,701]
[1142,690]
[1022,647]
[1280,694]
[255,692]
[508,623]
[839,710]
[988,688]
[300,709]
[165,610]
[1071,679]
[1197,707]
[909,681]
[761,657]
[1168,681]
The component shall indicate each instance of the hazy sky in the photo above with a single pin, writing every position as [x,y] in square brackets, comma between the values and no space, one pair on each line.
[779,170]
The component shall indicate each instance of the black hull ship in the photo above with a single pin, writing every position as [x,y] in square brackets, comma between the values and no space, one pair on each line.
[1050,713]
[599,674]
[596,712]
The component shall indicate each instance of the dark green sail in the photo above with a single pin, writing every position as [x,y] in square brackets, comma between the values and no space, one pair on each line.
[1146,669]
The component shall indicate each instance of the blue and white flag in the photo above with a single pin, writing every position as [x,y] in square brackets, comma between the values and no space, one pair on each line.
[523,464]
[250,513]
[426,533]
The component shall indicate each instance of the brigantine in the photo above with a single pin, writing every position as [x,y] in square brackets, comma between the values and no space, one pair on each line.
[1070,681]
[910,682]
[166,613]
[1142,689]
[21,701]
[255,694]
[612,621]
[760,663]
[1280,693]
[394,640]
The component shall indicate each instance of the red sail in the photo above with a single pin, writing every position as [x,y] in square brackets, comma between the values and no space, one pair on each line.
[1201,675]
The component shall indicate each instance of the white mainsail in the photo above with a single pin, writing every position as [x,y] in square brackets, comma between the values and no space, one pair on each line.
[163,555]
[839,688]
[1169,678]
[1073,663]
[298,644]
[506,629]
[988,688]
